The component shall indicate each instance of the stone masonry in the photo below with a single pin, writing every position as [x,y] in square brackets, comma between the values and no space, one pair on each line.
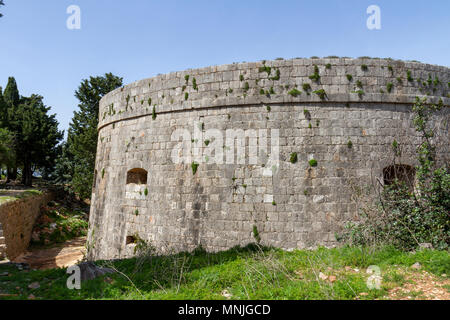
[208,156]
[17,219]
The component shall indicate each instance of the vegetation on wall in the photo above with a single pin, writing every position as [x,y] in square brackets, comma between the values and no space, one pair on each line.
[411,210]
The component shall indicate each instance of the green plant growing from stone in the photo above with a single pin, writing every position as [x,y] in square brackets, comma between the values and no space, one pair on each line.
[328,66]
[389,87]
[256,235]
[183,88]
[136,212]
[409,76]
[399,80]
[262,92]
[103,173]
[186,78]
[271,91]
[241,77]
[246,87]
[306,87]
[277,75]
[390,69]
[321,93]
[128,101]
[154,113]
[349,144]
[313,163]
[194,84]
[359,84]
[207,142]
[359,92]
[274,203]
[294,92]
[315,76]
[268,108]
[294,158]
[186,96]
[149,101]
[146,192]
[364,67]
[194,167]
[266,69]
[349,77]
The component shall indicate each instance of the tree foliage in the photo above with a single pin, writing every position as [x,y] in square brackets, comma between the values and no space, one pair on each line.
[33,134]
[76,164]
[6,148]
[1,4]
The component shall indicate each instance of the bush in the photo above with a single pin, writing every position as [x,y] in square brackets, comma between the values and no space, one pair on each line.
[406,215]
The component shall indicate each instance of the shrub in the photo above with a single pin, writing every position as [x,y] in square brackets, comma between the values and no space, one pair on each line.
[404,217]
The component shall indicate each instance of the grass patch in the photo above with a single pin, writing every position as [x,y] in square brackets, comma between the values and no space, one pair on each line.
[251,272]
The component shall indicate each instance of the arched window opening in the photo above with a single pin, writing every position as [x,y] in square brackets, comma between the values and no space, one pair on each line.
[137,176]
[399,173]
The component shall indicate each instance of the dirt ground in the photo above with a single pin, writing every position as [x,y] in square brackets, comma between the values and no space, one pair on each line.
[59,256]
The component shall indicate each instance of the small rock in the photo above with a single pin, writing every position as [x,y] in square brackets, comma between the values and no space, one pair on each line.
[34,285]
[31,297]
[332,279]
[90,271]
[356,270]
[426,246]
[323,276]
[416,266]
[4,274]
[347,268]
[226,294]
[363,294]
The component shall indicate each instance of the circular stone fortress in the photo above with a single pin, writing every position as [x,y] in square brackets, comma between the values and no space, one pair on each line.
[272,151]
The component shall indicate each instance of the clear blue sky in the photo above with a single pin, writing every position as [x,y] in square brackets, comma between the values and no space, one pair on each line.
[137,39]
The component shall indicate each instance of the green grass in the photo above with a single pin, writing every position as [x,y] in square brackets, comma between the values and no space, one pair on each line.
[24,194]
[251,272]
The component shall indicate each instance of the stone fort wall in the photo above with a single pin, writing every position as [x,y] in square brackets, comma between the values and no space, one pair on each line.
[151,132]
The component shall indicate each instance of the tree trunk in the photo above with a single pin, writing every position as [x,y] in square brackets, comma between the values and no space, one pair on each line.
[11,174]
[27,174]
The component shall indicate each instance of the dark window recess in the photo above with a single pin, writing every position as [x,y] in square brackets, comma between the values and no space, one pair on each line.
[131,240]
[401,173]
[137,176]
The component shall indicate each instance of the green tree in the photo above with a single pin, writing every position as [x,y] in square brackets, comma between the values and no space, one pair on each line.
[11,97]
[1,4]
[82,135]
[37,137]
[6,148]
[3,110]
